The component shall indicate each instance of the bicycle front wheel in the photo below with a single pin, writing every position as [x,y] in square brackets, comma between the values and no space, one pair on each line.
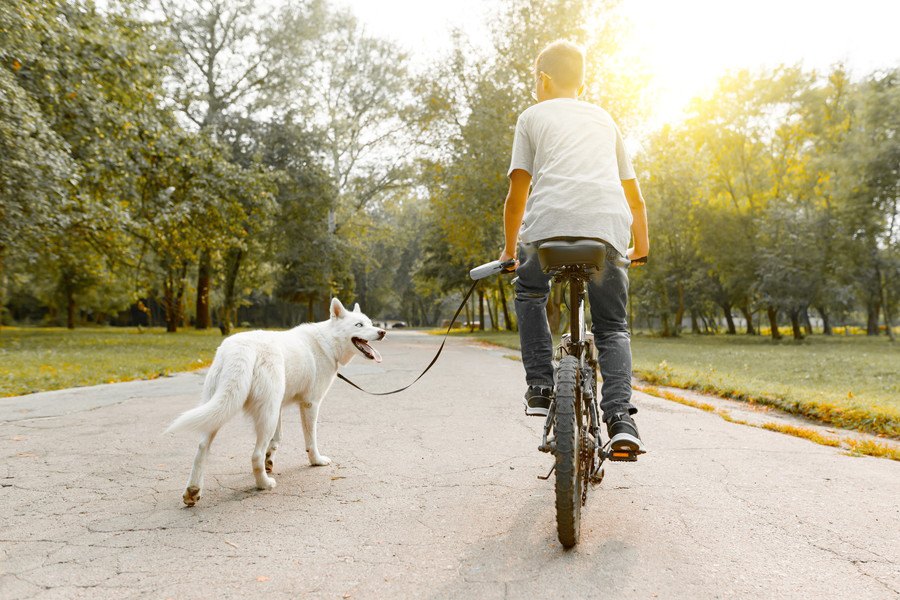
[566,431]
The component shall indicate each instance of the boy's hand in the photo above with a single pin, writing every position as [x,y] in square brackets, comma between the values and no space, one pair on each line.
[636,261]
[505,256]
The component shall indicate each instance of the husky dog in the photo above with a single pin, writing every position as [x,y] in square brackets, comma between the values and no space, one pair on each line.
[261,372]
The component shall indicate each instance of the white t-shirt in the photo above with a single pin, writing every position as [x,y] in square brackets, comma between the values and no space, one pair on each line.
[577,160]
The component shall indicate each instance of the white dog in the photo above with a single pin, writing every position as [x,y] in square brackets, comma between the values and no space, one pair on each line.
[261,372]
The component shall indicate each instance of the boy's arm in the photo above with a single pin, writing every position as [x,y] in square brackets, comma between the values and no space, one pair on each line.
[639,227]
[513,210]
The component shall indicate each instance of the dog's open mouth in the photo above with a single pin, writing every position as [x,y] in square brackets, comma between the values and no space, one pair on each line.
[364,347]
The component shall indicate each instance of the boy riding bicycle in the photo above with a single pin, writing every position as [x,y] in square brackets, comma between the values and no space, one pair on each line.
[584,187]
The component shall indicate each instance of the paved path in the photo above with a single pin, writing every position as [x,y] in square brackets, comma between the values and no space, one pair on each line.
[432,494]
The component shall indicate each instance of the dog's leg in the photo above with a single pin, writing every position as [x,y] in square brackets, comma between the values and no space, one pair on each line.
[195,483]
[273,446]
[266,423]
[309,415]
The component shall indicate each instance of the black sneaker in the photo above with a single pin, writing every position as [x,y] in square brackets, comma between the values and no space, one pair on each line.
[537,401]
[624,441]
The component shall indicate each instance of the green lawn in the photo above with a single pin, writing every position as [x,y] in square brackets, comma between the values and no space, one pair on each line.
[38,359]
[851,381]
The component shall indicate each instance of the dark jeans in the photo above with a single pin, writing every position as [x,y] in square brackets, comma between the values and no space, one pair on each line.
[608,296]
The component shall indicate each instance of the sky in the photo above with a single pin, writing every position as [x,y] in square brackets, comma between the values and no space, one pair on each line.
[685,44]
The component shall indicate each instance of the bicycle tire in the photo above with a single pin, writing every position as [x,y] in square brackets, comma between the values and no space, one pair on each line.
[568,456]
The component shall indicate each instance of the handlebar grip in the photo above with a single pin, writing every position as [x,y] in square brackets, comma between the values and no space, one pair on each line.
[491,268]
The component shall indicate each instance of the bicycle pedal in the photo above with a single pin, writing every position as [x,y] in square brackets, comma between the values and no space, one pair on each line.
[625,448]
[623,456]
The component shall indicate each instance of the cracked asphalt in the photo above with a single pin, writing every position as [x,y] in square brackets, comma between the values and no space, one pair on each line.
[432,494]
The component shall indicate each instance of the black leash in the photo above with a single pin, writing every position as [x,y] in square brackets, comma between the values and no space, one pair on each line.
[433,360]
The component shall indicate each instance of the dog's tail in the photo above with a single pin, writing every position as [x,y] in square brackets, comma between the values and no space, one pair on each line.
[229,383]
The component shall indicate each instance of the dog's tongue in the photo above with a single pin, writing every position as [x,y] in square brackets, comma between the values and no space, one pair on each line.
[375,353]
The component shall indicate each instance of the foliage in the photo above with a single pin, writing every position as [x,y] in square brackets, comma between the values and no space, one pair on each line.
[784,202]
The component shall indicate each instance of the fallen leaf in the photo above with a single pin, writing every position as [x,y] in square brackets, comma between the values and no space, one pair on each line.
[337,477]
[232,544]
[262,578]
[19,438]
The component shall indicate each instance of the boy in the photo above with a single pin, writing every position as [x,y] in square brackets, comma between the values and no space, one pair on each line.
[584,187]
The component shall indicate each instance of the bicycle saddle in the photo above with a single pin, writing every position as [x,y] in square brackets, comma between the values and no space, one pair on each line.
[554,254]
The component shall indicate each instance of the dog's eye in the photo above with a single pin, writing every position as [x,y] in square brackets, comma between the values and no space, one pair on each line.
[359,324]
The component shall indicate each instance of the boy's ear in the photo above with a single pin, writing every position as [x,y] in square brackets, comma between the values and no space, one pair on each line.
[356,307]
[337,309]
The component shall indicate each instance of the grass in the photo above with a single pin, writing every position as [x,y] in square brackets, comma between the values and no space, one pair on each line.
[40,359]
[853,446]
[851,382]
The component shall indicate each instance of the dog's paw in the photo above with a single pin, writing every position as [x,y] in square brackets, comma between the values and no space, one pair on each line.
[191,495]
[266,483]
[320,461]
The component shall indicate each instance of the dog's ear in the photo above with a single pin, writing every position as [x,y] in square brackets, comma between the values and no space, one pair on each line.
[356,307]
[337,309]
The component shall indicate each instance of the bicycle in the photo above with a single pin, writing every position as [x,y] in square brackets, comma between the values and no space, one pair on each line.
[572,431]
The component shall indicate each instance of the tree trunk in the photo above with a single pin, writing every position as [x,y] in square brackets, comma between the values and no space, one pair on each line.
[70,308]
[470,314]
[480,309]
[826,323]
[679,314]
[695,325]
[510,324]
[169,302]
[772,312]
[495,314]
[2,284]
[795,324]
[885,305]
[873,307]
[664,321]
[204,273]
[748,316]
[704,323]
[732,330]
[804,320]
[179,296]
[232,268]
[310,305]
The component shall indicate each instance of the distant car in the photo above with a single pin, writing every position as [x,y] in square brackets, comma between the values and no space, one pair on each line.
[398,325]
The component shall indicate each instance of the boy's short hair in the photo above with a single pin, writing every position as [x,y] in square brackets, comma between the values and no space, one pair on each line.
[563,61]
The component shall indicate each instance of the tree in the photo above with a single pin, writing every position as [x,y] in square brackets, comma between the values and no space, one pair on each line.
[228,67]
[356,101]
[873,156]
[674,279]
[303,252]
[92,74]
